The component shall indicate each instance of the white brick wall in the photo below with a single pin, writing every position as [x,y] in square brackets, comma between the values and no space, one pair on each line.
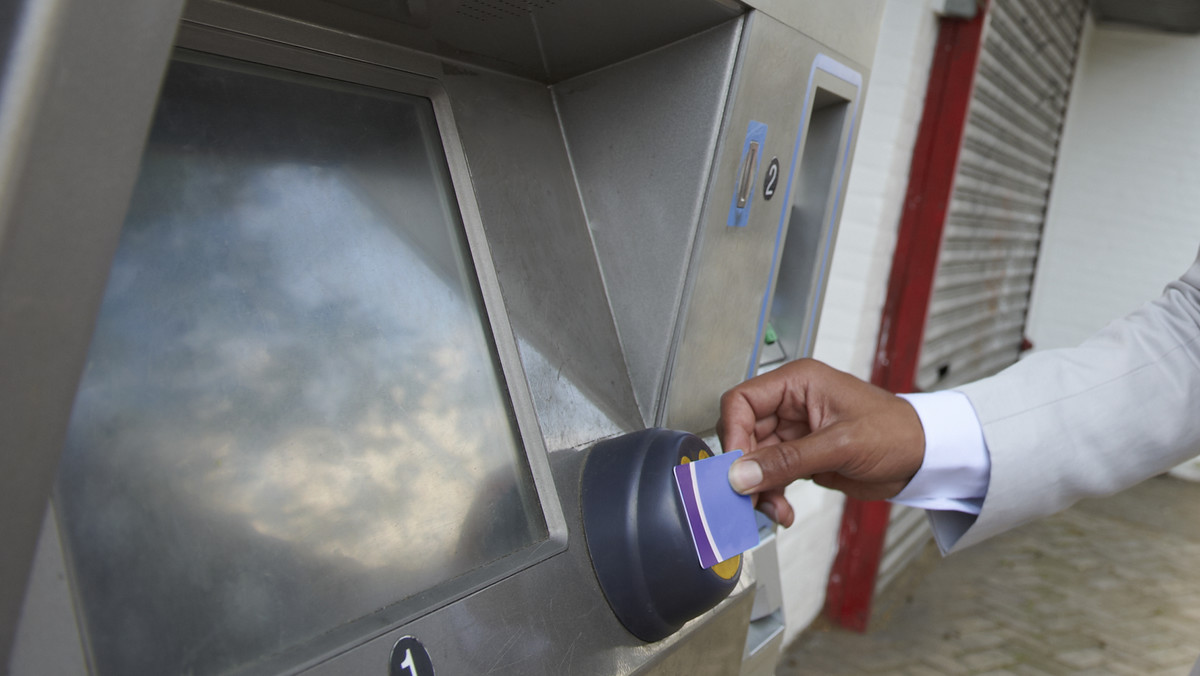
[858,276]
[1124,213]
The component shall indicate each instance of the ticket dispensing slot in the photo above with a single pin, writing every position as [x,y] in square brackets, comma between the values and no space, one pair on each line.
[747,180]
[791,307]
[743,194]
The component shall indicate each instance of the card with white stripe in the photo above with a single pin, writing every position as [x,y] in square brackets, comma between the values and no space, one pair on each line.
[721,521]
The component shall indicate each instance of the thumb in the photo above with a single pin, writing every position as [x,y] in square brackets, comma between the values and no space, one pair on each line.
[779,465]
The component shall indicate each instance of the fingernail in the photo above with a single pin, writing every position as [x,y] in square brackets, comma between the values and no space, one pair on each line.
[768,509]
[744,475]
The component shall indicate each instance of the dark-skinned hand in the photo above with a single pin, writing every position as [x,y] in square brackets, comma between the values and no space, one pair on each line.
[806,420]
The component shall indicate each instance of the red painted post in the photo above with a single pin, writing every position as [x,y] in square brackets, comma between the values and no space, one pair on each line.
[914,263]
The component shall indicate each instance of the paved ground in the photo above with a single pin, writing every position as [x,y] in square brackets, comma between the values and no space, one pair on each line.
[1109,587]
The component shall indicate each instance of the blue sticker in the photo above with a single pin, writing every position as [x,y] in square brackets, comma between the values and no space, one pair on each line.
[721,521]
[756,136]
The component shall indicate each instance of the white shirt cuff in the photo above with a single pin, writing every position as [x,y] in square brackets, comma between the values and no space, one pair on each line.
[955,472]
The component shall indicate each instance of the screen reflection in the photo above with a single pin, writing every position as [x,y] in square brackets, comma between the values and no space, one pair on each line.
[292,414]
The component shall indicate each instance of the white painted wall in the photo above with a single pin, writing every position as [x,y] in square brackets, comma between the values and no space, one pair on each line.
[1123,220]
[859,273]
[1124,212]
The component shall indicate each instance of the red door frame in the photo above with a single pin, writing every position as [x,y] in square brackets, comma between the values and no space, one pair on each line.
[914,263]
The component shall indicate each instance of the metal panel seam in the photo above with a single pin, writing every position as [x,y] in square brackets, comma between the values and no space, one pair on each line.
[736,60]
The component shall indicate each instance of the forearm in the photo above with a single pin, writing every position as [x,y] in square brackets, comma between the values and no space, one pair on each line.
[1065,424]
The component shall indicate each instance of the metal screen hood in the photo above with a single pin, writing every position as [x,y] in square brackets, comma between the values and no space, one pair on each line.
[543,40]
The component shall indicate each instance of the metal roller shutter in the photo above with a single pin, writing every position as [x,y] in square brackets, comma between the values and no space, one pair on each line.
[990,244]
[907,533]
[993,227]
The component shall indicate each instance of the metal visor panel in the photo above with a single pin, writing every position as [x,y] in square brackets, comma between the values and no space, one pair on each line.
[293,414]
[770,218]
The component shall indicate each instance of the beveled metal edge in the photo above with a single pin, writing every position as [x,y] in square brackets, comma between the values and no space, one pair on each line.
[719,141]
[67,167]
[249,22]
[506,342]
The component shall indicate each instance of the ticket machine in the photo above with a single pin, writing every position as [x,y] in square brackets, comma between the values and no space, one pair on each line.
[332,328]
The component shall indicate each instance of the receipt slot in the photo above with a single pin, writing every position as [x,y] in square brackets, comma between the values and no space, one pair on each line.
[637,533]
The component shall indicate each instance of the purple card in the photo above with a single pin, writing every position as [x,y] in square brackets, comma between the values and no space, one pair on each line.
[721,521]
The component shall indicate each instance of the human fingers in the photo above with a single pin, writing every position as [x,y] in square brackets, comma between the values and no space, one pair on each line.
[776,466]
[735,427]
[765,428]
[753,412]
[765,432]
[776,506]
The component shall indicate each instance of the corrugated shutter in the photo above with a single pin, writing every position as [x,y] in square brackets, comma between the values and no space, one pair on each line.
[993,228]
[908,531]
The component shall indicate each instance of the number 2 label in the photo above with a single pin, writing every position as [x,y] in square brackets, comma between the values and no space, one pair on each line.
[772,179]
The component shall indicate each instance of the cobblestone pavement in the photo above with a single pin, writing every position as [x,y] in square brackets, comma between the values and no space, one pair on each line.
[1110,586]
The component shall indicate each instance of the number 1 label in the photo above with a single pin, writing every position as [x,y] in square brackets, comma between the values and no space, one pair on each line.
[409,658]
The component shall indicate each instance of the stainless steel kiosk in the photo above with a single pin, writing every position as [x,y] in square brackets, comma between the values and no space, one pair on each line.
[311,312]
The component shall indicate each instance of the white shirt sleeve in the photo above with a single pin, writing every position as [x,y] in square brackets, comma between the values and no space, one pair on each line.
[955,472]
